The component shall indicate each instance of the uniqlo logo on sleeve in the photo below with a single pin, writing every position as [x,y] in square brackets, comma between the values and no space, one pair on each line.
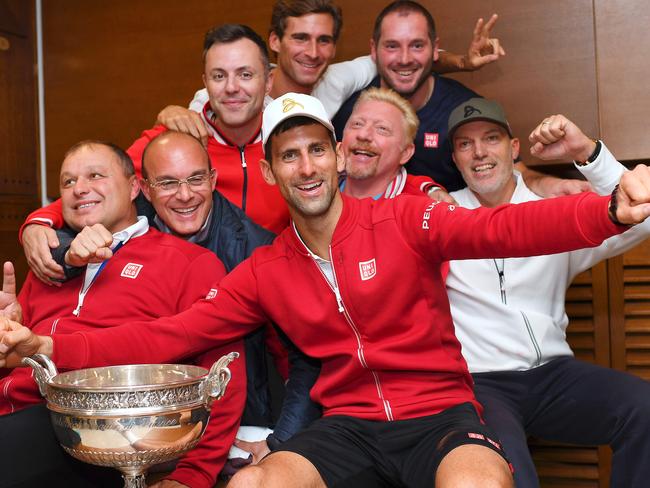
[431,140]
[131,270]
[211,294]
[368,269]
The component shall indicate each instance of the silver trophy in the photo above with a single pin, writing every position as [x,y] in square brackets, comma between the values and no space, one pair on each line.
[130,417]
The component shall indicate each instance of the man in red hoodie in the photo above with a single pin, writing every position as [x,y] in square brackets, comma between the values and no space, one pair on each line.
[357,285]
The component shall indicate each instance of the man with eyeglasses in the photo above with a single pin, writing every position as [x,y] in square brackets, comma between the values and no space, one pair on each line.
[179,199]
[138,273]
[236,74]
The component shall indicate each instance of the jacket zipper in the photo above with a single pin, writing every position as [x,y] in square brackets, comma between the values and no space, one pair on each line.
[500,266]
[244,167]
[538,351]
[360,354]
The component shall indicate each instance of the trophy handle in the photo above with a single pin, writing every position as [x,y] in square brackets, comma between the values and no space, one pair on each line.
[44,370]
[218,378]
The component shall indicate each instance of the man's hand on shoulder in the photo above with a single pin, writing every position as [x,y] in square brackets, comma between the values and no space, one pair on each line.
[91,245]
[37,242]
[631,202]
[181,119]
[556,137]
[547,186]
[440,195]
[18,341]
[9,305]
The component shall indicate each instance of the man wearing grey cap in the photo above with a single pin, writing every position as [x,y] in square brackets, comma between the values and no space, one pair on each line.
[397,397]
[509,313]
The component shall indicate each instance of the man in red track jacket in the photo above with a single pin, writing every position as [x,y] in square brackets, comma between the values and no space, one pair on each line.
[146,275]
[357,285]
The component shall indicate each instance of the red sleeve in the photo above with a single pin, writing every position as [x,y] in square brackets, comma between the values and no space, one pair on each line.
[231,312]
[199,467]
[442,232]
[23,295]
[137,148]
[50,216]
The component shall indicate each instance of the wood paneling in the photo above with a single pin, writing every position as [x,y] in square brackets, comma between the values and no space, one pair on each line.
[111,65]
[630,310]
[623,71]
[19,186]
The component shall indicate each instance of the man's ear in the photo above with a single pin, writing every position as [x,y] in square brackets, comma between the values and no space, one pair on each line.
[373,51]
[274,42]
[267,172]
[204,80]
[407,154]
[514,147]
[146,189]
[135,187]
[340,158]
[436,47]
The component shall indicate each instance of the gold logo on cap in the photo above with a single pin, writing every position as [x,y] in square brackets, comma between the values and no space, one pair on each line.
[289,104]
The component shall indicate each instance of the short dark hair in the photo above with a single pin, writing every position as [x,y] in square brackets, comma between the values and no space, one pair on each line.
[288,124]
[297,8]
[404,7]
[145,175]
[122,157]
[229,33]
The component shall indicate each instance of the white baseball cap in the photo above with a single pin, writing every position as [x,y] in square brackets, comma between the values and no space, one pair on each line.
[293,105]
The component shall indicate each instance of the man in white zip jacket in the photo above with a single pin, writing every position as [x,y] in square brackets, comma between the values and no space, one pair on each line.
[509,313]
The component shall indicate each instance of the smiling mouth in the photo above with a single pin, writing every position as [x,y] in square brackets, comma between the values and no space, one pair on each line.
[363,152]
[405,73]
[185,211]
[309,65]
[84,206]
[310,187]
[483,167]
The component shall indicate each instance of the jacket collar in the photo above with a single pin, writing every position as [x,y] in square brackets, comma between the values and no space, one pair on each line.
[209,116]
[344,227]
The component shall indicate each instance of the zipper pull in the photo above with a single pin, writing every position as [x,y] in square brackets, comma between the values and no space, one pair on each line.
[339,300]
[502,286]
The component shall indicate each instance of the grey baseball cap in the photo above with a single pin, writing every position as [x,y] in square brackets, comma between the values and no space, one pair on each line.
[477,109]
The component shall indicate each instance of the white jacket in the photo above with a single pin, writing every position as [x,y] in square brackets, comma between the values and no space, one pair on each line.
[519,322]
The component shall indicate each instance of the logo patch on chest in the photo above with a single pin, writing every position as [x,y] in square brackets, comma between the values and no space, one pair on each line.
[211,294]
[431,140]
[367,269]
[131,270]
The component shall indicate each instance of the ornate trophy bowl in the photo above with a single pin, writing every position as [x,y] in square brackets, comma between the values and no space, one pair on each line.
[130,417]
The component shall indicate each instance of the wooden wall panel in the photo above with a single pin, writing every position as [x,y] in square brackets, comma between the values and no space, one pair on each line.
[630,310]
[19,186]
[623,71]
[111,65]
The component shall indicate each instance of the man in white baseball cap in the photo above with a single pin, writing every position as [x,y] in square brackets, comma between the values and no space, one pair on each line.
[398,405]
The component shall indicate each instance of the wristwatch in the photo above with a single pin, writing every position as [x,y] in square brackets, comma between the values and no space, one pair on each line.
[593,155]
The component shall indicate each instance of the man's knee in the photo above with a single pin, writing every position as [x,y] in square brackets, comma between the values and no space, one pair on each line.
[469,466]
[247,477]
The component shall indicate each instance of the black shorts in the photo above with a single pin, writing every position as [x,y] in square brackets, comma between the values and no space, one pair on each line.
[353,452]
